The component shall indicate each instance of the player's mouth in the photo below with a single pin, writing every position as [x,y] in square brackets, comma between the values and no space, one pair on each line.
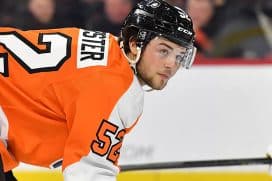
[164,76]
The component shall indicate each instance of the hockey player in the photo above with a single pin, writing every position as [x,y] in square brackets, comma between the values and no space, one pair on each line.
[68,96]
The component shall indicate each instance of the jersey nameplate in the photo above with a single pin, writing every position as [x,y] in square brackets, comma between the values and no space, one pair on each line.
[92,49]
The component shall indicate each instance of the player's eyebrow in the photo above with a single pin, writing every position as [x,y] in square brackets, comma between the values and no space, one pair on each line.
[170,47]
[162,43]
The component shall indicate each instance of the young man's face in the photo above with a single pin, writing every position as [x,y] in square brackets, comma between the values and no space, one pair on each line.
[159,62]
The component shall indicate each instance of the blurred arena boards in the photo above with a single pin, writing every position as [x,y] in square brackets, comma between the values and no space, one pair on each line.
[208,112]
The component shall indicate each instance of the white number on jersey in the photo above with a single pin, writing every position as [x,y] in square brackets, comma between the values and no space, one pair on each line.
[33,59]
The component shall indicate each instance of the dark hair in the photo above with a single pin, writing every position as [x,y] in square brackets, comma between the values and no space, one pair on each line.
[130,34]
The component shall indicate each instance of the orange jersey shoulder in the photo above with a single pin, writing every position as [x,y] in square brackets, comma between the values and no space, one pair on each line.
[55,85]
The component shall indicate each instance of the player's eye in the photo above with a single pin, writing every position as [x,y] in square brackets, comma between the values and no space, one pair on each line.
[164,52]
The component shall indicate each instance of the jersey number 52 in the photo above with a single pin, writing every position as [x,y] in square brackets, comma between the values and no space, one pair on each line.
[106,135]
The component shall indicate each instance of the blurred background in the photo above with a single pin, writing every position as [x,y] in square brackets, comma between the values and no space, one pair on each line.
[224,28]
[219,109]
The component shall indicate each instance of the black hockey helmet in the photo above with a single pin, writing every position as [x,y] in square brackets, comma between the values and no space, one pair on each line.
[154,18]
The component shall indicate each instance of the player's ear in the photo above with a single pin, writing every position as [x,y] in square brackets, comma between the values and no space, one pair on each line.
[133,46]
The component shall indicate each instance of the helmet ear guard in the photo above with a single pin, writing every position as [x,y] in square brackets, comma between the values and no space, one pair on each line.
[143,37]
[158,18]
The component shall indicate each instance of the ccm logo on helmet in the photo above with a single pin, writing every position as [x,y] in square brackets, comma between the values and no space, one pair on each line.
[185,31]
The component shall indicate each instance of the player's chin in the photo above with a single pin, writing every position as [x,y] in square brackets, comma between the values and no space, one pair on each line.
[159,85]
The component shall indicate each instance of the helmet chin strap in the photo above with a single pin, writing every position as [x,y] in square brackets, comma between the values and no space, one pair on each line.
[132,62]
